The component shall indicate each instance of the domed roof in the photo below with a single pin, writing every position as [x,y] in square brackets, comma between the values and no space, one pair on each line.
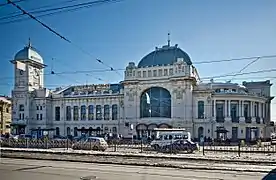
[166,55]
[28,53]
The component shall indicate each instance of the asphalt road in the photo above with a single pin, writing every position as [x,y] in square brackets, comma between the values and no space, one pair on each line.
[16,169]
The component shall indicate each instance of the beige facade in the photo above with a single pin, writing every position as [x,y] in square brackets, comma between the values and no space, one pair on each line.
[5,115]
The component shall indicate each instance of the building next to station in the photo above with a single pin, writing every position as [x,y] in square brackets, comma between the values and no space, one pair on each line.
[162,90]
[5,115]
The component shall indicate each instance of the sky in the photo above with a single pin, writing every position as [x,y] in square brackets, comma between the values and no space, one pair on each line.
[127,30]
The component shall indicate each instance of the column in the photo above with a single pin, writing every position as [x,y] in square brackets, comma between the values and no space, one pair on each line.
[72,113]
[215,113]
[239,108]
[259,109]
[225,108]
[229,108]
[86,111]
[242,108]
[251,109]
[110,111]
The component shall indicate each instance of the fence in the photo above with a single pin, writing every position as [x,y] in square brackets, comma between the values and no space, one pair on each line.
[138,146]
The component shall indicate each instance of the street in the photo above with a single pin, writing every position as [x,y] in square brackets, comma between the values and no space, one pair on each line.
[16,169]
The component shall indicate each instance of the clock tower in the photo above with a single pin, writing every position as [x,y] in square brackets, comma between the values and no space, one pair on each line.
[28,77]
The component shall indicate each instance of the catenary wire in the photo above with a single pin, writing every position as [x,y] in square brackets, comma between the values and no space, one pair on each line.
[59,35]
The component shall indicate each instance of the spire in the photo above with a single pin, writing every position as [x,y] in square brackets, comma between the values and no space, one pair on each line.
[169,40]
[29,42]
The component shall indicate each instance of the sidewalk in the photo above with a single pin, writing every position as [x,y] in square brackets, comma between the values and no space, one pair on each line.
[254,158]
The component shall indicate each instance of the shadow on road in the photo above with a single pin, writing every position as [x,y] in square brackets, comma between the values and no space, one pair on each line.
[271,175]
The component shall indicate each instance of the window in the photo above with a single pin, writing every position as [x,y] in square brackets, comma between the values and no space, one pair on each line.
[219,110]
[41,117]
[139,74]
[37,116]
[90,112]
[160,72]
[40,107]
[149,73]
[20,116]
[76,113]
[37,107]
[114,129]
[165,72]
[23,116]
[154,73]
[57,131]
[83,112]
[98,112]
[155,102]
[171,71]
[7,110]
[21,107]
[68,113]
[234,113]
[246,110]
[144,73]
[68,131]
[106,112]
[256,110]
[75,131]
[200,109]
[57,113]
[114,112]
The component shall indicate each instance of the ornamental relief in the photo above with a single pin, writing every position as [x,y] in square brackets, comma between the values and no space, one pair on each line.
[179,92]
[131,94]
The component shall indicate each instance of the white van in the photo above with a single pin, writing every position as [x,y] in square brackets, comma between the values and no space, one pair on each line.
[165,136]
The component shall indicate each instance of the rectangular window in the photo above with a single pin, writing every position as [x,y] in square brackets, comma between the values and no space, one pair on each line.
[246,110]
[139,74]
[219,110]
[20,116]
[90,112]
[165,72]
[37,107]
[200,109]
[23,117]
[76,113]
[68,113]
[144,73]
[98,112]
[149,73]
[40,107]
[154,73]
[171,71]
[57,113]
[21,107]
[106,112]
[256,110]
[37,116]
[41,117]
[160,72]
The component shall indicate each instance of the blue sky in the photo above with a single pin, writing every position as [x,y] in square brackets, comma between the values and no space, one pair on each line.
[125,31]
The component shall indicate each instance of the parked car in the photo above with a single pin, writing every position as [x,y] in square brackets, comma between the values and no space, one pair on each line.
[180,145]
[91,143]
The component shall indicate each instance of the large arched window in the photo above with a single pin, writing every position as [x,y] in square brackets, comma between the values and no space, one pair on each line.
[155,102]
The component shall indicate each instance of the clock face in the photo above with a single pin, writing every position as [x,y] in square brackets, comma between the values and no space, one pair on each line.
[36,74]
[21,72]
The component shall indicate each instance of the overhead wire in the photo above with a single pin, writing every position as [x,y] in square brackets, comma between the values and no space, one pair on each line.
[5,4]
[59,35]
[58,10]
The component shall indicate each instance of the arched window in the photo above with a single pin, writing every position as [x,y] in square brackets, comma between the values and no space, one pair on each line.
[114,112]
[75,131]
[98,112]
[106,112]
[57,131]
[155,102]
[90,112]
[83,112]
[68,131]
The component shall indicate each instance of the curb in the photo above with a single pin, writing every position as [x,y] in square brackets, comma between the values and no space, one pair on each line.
[145,156]
[137,164]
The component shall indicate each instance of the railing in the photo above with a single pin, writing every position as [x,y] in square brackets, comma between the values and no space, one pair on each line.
[138,146]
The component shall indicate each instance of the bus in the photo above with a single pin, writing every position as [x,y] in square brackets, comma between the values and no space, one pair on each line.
[166,136]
